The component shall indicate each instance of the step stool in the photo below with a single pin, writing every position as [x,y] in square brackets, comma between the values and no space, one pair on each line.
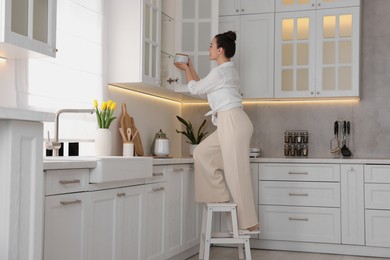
[207,238]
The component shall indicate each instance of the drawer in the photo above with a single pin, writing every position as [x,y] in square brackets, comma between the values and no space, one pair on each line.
[159,174]
[377,228]
[308,224]
[66,181]
[299,172]
[377,173]
[377,196]
[321,194]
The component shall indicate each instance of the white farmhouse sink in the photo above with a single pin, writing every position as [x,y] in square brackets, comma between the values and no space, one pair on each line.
[118,168]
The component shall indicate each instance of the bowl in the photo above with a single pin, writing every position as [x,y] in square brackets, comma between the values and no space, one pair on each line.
[181,58]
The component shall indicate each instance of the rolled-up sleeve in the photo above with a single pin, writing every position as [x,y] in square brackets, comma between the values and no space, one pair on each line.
[208,84]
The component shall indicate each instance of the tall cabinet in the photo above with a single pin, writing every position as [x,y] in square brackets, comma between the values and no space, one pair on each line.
[317,48]
[253,22]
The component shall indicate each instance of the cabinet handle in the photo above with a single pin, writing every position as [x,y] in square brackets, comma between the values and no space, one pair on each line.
[242,10]
[298,219]
[318,92]
[158,189]
[313,5]
[178,169]
[156,174]
[301,173]
[319,4]
[237,10]
[64,203]
[298,194]
[122,194]
[69,182]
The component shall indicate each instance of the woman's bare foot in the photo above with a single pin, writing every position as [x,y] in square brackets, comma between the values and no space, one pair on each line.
[254,228]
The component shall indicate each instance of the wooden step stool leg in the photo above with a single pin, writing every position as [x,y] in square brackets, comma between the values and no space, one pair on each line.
[203,232]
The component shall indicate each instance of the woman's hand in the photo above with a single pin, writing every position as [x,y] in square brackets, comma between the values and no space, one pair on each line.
[181,66]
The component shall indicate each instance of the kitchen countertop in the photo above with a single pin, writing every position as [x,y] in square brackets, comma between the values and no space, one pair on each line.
[51,163]
[26,115]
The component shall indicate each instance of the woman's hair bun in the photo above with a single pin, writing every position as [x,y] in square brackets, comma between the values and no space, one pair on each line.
[231,35]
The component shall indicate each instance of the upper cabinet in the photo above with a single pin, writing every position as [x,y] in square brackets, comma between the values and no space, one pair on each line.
[317,52]
[235,7]
[27,28]
[134,41]
[299,5]
[254,58]
[196,25]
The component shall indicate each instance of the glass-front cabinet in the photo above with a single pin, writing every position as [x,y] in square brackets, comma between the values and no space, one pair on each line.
[317,53]
[28,28]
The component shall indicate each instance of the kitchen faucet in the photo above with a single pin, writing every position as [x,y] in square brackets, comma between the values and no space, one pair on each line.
[55,145]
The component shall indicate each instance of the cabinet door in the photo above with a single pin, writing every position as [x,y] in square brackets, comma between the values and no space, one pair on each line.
[66,227]
[192,211]
[151,41]
[116,224]
[229,7]
[352,204]
[30,24]
[174,237]
[197,24]
[337,71]
[232,23]
[377,228]
[295,54]
[256,55]
[256,6]
[234,7]
[154,218]
[294,5]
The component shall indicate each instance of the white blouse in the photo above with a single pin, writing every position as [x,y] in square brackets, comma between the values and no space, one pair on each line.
[222,88]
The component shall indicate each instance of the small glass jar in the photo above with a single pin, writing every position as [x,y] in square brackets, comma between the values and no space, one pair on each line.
[305,137]
[293,137]
[299,150]
[286,150]
[287,137]
[292,150]
[305,150]
[299,137]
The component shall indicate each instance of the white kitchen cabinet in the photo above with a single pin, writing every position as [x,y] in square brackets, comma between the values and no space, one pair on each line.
[377,195]
[196,25]
[182,211]
[21,186]
[352,204]
[300,202]
[235,7]
[66,226]
[134,41]
[254,58]
[66,214]
[28,28]
[299,5]
[115,223]
[154,222]
[317,53]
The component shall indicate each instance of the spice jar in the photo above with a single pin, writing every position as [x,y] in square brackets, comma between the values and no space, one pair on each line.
[305,137]
[287,137]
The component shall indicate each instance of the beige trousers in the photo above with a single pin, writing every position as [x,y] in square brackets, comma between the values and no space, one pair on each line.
[222,166]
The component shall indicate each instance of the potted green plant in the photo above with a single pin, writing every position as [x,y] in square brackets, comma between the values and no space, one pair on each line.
[194,138]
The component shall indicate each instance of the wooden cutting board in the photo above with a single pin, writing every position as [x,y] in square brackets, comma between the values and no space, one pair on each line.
[126,121]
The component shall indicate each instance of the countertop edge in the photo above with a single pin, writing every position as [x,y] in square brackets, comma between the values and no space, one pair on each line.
[25,115]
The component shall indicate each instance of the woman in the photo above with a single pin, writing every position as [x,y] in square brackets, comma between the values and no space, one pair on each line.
[222,166]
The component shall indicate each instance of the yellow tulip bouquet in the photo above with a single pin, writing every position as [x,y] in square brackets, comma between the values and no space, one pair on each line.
[105,113]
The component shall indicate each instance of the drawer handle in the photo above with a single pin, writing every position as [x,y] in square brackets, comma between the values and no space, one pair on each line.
[301,173]
[158,189]
[298,219]
[298,194]
[178,169]
[122,194]
[69,182]
[156,174]
[64,203]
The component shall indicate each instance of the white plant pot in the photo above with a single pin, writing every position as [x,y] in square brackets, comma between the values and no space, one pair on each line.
[192,148]
[103,142]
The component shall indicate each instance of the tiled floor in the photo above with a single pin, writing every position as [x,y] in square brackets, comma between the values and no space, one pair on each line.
[224,253]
